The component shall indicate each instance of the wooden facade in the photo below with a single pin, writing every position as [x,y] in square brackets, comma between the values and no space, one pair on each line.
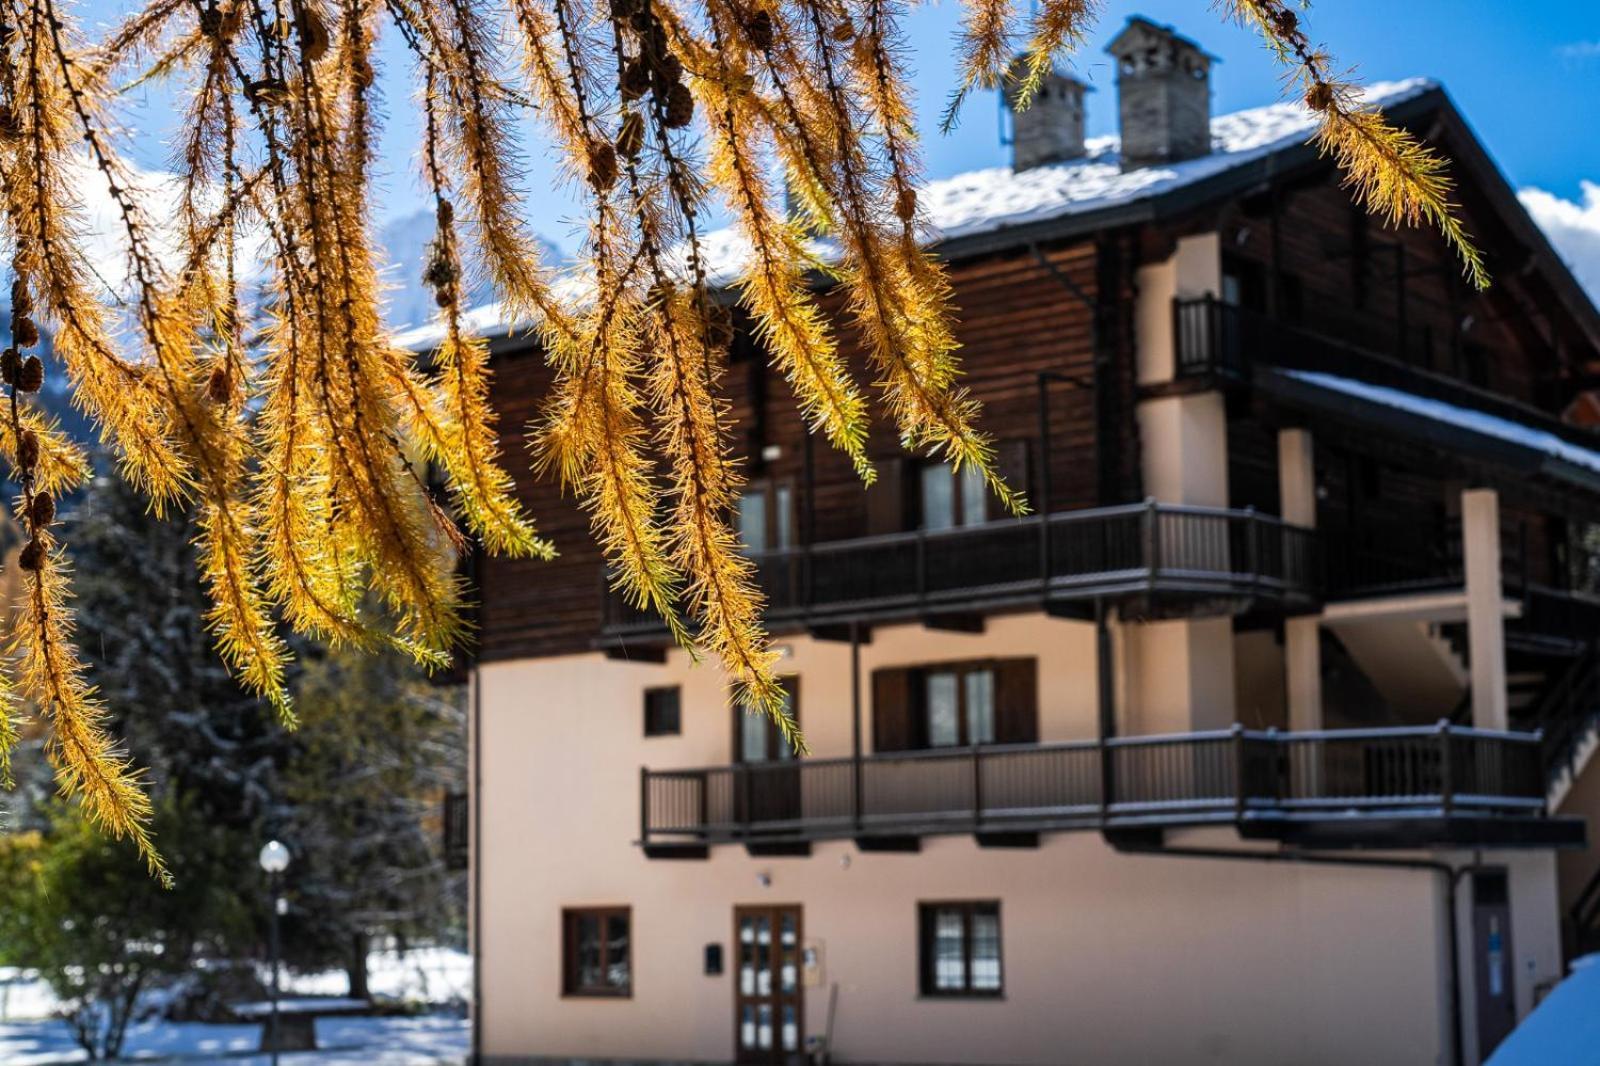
[1295,251]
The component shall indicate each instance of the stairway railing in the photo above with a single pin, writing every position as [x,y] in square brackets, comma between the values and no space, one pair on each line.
[1567,711]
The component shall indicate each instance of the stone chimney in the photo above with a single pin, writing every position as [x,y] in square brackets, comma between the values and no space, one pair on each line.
[1050,129]
[1163,95]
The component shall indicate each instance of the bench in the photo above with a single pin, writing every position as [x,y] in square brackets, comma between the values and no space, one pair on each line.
[297,1019]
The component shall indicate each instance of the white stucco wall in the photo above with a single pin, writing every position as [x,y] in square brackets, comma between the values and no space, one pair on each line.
[1108,958]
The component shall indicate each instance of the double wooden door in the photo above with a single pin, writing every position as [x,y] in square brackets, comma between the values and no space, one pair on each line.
[768,1000]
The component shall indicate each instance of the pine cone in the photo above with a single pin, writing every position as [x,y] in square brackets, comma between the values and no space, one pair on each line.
[23,331]
[759,29]
[10,125]
[314,38]
[905,205]
[843,32]
[217,386]
[42,512]
[630,139]
[21,298]
[445,213]
[1320,96]
[10,364]
[31,377]
[602,167]
[33,556]
[210,21]
[635,80]
[680,106]
[28,451]
[622,9]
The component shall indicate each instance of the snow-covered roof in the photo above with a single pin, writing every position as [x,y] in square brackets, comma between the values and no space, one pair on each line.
[998,198]
[1502,429]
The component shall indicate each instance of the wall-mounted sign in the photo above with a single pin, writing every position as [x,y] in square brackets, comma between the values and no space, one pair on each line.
[713,960]
[812,960]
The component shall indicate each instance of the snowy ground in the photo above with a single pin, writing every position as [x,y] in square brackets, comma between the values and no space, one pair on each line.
[428,1040]
[29,1036]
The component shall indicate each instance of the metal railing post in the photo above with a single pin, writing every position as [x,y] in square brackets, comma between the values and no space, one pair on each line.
[1152,540]
[1252,546]
[746,818]
[1238,772]
[1446,769]
[922,566]
[977,787]
[644,805]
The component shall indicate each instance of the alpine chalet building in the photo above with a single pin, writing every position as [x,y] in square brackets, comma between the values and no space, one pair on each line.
[1264,740]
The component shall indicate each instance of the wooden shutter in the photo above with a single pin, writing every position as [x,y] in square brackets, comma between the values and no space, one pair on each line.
[886,499]
[891,709]
[1011,463]
[1016,701]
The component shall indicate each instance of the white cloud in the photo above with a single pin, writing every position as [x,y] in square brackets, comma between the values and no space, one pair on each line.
[1574,228]
[1580,50]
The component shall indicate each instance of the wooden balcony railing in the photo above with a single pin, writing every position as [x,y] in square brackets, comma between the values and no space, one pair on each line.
[1150,549]
[1218,339]
[1237,775]
[455,829]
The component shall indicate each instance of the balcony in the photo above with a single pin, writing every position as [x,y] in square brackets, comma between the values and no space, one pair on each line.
[1151,558]
[1221,341]
[1397,787]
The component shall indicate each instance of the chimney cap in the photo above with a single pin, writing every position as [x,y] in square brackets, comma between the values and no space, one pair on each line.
[1139,31]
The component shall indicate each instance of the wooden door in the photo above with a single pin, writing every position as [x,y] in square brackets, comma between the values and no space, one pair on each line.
[768,1000]
[768,790]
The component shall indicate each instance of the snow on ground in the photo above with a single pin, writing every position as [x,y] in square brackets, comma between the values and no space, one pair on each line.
[428,1040]
[432,975]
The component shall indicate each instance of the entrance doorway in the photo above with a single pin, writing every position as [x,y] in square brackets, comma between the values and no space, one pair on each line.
[769,791]
[768,1002]
[1491,960]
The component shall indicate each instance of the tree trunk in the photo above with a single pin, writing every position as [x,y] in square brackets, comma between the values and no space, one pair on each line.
[356,966]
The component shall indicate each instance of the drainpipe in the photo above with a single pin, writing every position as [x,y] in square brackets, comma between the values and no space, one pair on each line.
[476,861]
[1450,875]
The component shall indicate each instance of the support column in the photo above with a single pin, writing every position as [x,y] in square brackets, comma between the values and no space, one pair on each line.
[1302,636]
[1486,644]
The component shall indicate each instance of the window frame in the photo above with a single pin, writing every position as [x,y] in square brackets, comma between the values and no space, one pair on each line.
[782,536]
[677,717]
[959,519]
[960,671]
[927,913]
[570,988]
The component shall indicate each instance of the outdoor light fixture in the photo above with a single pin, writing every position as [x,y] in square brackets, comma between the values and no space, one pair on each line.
[274,860]
[274,857]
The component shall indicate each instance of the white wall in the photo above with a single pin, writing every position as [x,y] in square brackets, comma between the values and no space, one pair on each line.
[1109,958]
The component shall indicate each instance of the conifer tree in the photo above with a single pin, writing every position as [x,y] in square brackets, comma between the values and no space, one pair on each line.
[312,511]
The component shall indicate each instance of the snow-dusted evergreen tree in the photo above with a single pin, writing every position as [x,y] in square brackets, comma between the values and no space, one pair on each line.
[377,748]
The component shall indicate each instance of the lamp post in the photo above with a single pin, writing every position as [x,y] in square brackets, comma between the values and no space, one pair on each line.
[274,860]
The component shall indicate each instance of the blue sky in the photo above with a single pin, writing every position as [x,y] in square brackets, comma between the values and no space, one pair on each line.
[1527,76]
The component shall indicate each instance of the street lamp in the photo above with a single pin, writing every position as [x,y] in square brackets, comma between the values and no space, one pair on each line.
[274,860]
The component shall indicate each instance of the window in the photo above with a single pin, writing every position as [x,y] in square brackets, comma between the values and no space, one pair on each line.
[951,499]
[941,705]
[766,517]
[960,706]
[661,712]
[960,949]
[595,952]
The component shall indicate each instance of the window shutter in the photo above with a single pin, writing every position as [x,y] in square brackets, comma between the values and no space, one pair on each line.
[1016,701]
[886,499]
[1011,463]
[891,709]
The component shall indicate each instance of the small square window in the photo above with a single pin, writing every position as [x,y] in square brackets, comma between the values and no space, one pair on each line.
[960,949]
[596,952]
[662,717]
